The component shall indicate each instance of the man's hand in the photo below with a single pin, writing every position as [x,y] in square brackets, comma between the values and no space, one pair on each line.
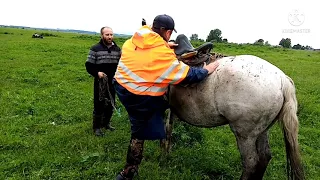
[101,74]
[211,67]
[172,44]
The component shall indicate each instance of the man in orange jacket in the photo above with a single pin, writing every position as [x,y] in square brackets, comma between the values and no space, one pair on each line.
[147,67]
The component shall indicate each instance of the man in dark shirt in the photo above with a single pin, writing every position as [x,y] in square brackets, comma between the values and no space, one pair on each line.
[102,63]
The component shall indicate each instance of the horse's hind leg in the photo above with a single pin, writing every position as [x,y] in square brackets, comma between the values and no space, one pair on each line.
[249,156]
[264,154]
[255,154]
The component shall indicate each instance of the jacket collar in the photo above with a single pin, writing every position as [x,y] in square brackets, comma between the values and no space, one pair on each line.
[103,44]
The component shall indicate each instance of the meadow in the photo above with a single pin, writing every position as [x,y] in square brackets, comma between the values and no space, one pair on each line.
[46,117]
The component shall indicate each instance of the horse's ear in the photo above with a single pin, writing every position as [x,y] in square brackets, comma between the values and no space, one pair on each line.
[144,22]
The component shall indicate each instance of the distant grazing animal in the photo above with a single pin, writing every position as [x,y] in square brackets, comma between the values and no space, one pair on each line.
[35,35]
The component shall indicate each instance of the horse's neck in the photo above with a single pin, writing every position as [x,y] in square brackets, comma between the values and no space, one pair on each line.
[216,56]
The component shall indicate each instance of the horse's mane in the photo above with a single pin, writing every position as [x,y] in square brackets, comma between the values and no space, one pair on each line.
[215,56]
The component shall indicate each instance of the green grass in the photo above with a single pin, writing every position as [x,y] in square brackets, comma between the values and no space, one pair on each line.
[46,106]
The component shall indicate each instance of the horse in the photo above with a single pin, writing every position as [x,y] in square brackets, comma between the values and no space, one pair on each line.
[245,92]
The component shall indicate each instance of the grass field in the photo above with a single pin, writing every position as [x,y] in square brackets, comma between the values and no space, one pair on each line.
[46,106]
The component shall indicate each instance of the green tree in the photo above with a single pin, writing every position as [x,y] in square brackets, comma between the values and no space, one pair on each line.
[286,43]
[267,43]
[215,36]
[194,37]
[297,46]
[259,42]
[309,47]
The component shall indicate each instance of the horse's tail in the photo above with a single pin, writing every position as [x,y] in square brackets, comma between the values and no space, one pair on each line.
[290,126]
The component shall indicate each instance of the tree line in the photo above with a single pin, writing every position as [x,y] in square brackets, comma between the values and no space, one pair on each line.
[215,35]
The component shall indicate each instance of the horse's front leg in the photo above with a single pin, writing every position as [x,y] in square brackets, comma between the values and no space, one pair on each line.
[169,127]
[167,143]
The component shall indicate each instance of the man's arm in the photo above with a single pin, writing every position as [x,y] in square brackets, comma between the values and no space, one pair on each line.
[179,72]
[90,64]
[196,75]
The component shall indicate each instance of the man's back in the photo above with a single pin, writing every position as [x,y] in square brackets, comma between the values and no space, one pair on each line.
[148,65]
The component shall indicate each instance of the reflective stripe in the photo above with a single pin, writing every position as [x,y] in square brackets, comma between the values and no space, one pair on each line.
[130,73]
[119,76]
[168,71]
[174,65]
[140,88]
[179,74]
[143,31]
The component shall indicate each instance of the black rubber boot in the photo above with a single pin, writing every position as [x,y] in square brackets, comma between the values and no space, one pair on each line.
[106,121]
[98,132]
[96,125]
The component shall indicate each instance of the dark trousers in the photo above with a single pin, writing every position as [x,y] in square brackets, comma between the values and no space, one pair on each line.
[102,108]
[146,114]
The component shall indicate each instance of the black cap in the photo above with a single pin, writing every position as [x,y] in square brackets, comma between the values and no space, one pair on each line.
[164,21]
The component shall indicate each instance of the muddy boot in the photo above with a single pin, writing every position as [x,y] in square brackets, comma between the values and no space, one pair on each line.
[96,123]
[134,158]
[127,174]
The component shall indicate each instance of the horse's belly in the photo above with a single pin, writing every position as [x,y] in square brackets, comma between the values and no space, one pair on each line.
[195,106]
[195,111]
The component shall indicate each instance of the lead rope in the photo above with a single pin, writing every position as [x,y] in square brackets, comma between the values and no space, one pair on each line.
[103,86]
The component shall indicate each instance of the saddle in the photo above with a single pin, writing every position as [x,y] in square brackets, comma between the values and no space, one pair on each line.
[191,56]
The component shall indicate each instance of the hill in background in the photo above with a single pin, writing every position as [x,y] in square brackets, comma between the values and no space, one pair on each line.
[62,30]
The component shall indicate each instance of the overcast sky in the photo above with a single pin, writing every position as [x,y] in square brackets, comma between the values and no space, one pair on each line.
[240,21]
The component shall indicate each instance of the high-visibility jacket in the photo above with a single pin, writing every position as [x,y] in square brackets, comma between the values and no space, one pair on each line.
[148,65]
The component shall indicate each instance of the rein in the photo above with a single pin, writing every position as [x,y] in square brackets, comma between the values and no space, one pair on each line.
[103,86]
